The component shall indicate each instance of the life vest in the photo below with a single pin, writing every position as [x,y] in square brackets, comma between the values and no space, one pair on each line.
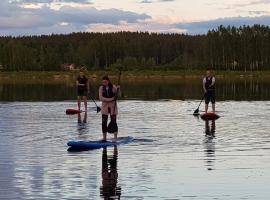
[108,93]
[82,80]
[208,83]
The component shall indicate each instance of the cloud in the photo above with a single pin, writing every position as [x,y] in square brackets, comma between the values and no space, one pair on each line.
[203,26]
[257,12]
[49,1]
[256,3]
[156,1]
[92,15]
[166,0]
[15,19]
[142,26]
[247,4]
[146,1]
[18,20]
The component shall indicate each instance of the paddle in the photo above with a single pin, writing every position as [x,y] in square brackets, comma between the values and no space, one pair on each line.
[196,112]
[112,127]
[98,108]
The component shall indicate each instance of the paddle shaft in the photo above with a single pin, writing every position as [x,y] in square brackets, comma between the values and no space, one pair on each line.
[98,108]
[201,102]
[119,76]
[94,101]
[197,110]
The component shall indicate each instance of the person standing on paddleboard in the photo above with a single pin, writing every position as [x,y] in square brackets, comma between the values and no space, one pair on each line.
[108,95]
[209,90]
[82,88]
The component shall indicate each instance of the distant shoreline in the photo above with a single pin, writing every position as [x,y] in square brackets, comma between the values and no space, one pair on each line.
[52,77]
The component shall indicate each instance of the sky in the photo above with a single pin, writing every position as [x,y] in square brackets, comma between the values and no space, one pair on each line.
[44,17]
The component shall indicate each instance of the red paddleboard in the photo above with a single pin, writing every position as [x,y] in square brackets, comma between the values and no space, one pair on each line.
[209,116]
[71,111]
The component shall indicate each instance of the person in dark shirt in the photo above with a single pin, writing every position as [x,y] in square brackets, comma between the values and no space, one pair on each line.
[209,89]
[82,89]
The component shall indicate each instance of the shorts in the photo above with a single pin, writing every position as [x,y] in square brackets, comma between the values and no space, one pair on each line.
[210,96]
[82,93]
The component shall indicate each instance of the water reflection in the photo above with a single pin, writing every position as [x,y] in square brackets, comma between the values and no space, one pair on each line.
[185,88]
[82,124]
[109,188]
[209,143]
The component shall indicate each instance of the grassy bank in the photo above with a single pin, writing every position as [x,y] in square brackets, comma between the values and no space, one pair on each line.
[58,77]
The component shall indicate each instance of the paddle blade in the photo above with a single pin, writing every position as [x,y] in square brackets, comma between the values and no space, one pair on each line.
[98,109]
[72,111]
[196,112]
[112,127]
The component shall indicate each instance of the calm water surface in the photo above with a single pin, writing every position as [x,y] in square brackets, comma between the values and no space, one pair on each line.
[186,88]
[174,155]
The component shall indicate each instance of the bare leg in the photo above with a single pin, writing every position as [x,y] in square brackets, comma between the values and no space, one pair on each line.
[113,118]
[115,135]
[206,108]
[79,102]
[85,103]
[85,118]
[104,136]
[213,107]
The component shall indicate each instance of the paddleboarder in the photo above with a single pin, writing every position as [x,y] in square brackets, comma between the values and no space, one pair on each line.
[209,89]
[108,95]
[82,88]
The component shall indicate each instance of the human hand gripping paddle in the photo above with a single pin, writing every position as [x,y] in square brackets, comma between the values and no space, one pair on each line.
[112,126]
[196,112]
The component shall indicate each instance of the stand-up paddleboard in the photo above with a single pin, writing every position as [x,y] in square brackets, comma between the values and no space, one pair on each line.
[71,111]
[87,145]
[209,116]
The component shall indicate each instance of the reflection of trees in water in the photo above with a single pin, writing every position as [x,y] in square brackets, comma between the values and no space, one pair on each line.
[243,89]
[209,143]
[184,88]
[36,92]
[109,188]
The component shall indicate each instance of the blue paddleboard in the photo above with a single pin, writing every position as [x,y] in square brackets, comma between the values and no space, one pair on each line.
[84,145]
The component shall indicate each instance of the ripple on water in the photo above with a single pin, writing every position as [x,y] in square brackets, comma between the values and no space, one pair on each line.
[173,156]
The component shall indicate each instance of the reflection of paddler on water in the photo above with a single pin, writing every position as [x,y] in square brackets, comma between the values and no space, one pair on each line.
[210,131]
[80,118]
[209,143]
[82,122]
[109,188]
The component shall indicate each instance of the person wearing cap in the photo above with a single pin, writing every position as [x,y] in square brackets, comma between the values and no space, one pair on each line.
[82,88]
[108,94]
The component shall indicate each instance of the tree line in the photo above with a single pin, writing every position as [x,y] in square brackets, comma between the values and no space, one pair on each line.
[224,48]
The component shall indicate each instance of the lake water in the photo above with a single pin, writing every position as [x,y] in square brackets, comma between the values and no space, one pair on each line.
[174,155]
[249,88]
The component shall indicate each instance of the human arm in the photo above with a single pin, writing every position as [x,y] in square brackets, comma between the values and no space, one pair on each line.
[88,86]
[204,88]
[213,81]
